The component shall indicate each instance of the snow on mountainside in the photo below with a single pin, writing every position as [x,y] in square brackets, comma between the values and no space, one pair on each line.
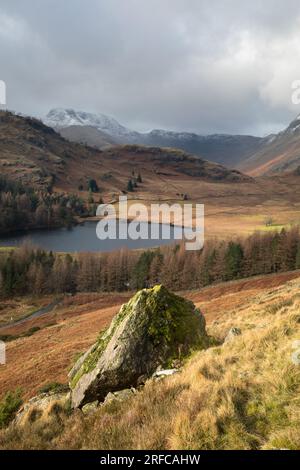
[254,155]
[225,149]
[191,135]
[60,118]
[171,134]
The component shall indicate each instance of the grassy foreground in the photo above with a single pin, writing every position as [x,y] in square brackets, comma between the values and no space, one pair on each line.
[241,395]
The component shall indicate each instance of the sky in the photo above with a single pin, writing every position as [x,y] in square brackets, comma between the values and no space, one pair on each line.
[205,66]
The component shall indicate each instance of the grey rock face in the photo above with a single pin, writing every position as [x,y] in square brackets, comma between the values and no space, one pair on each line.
[122,395]
[90,408]
[41,407]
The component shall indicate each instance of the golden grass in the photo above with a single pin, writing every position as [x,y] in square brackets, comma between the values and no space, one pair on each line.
[241,395]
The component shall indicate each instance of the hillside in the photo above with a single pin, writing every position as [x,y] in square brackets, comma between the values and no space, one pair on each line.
[234,203]
[280,155]
[228,150]
[37,154]
[274,154]
[88,135]
[242,394]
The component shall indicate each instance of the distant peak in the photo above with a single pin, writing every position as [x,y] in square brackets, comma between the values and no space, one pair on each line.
[293,126]
[60,118]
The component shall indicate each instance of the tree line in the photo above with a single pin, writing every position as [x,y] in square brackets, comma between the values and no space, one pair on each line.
[23,207]
[35,271]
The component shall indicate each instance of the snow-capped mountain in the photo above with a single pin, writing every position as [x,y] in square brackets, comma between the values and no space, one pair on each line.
[226,149]
[60,118]
[255,155]
[161,133]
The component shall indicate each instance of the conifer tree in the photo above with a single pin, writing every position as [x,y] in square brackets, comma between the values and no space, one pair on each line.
[130,187]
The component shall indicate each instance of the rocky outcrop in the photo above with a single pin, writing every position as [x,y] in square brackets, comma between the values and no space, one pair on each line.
[122,395]
[232,333]
[43,407]
[153,330]
[90,408]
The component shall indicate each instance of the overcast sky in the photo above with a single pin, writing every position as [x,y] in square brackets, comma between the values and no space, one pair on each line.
[197,65]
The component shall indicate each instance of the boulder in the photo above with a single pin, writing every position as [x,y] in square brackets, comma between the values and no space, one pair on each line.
[153,330]
[122,395]
[42,407]
[90,408]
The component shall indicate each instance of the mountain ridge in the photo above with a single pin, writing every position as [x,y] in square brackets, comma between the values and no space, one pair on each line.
[34,153]
[225,149]
[256,156]
[281,154]
[59,118]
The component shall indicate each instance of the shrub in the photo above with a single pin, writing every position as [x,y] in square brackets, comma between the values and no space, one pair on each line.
[31,331]
[9,406]
[93,186]
[54,387]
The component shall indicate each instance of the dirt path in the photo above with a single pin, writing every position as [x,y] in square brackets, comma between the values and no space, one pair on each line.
[38,313]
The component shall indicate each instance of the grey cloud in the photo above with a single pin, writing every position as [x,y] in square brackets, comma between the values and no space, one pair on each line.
[204,66]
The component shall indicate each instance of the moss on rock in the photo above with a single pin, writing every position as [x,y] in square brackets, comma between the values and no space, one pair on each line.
[153,329]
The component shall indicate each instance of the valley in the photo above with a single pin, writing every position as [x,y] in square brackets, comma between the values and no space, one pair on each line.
[256,156]
[149,232]
[54,305]
[234,203]
[99,130]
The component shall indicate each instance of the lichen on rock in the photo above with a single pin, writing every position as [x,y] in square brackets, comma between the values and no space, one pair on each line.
[154,329]
[44,407]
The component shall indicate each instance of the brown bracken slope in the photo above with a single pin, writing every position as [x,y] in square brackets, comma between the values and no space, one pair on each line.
[48,354]
[279,155]
[31,151]
[234,203]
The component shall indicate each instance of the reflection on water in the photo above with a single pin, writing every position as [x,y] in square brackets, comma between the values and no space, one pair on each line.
[84,238]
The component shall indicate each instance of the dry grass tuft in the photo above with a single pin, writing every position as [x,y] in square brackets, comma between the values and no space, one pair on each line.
[241,395]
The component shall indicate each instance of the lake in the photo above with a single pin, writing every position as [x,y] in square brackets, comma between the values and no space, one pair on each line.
[81,238]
